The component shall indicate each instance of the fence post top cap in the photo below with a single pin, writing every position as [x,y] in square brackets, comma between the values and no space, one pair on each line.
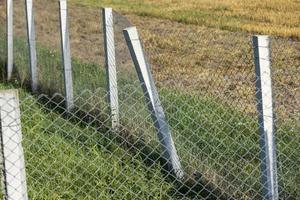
[9,91]
[107,8]
[132,32]
[261,40]
[129,29]
[63,4]
[261,36]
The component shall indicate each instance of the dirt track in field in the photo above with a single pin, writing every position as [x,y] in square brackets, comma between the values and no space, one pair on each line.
[186,57]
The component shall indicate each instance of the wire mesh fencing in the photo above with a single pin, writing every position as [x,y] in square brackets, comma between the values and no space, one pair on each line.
[207,88]
[219,66]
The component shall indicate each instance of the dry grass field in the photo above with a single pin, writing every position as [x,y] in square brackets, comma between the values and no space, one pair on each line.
[276,17]
[205,45]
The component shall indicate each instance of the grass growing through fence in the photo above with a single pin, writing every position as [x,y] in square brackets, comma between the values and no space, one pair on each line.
[222,143]
[70,161]
[214,141]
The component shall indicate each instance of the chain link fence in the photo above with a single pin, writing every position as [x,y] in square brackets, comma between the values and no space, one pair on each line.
[207,87]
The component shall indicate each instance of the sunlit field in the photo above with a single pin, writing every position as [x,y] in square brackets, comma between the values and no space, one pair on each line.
[276,17]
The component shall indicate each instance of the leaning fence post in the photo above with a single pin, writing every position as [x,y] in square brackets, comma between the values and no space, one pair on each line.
[14,176]
[266,116]
[10,42]
[110,62]
[31,45]
[66,54]
[152,100]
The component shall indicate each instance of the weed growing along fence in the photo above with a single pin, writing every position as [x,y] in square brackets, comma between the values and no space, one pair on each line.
[206,85]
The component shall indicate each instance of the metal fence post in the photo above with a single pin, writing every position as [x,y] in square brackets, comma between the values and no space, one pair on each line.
[152,99]
[10,39]
[14,176]
[266,116]
[66,54]
[110,62]
[32,45]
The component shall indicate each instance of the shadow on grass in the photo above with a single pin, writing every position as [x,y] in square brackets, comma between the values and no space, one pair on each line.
[135,146]
[197,187]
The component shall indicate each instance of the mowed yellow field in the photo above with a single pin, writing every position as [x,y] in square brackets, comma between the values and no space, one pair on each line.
[274,17]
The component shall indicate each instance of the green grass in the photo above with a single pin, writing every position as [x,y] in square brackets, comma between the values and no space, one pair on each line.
[71,161]
[223,143]
[213,139]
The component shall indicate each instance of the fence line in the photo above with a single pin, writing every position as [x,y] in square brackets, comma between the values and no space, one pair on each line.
[32,45]
[194,155]
[66,52]
[266,116]
[110,62]
[152,100]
